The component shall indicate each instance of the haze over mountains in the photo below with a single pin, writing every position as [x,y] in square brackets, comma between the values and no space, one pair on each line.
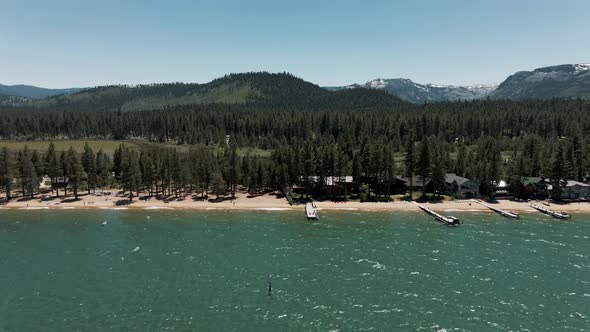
[15,95]
[33,92]
[264,88]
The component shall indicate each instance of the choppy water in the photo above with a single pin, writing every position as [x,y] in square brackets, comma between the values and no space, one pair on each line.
[65,271]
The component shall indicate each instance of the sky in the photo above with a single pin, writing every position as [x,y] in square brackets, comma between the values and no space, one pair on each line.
[63,43]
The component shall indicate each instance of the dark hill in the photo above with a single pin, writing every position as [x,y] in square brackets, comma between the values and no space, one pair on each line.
[258,89]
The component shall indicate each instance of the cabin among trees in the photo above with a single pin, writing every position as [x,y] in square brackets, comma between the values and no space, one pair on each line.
[331,185]
[574,190]
[460,187]
[530,187]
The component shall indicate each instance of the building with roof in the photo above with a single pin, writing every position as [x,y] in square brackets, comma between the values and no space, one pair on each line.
[416,182]
[461,187]
[530,186]
[574,190]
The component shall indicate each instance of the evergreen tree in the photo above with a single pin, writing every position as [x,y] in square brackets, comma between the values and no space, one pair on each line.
[89,166]
[6,172]
[460,164]
[424,165]
[218,185]
[52,168]
[558,171]
[74,170]
[148,171]
[103,169]
[233,170]
[118,162]
[410,160]
[130,172]
[27,172]
[438,172]
[63,165]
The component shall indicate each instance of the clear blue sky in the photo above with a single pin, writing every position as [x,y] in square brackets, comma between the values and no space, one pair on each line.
[86,43]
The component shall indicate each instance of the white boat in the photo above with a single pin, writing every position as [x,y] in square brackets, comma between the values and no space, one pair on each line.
[311,211]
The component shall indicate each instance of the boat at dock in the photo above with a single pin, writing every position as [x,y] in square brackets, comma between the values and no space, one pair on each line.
[311,211]
[447,220]
[506,214]
[554,214]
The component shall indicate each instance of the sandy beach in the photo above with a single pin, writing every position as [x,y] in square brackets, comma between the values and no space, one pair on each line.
[270,202]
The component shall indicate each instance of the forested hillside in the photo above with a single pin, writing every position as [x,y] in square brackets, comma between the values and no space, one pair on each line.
[307,131]
[263,89]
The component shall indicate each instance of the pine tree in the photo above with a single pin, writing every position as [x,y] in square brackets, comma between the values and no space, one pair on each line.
[424,165]
[103,169]
[148,171]
[130,172]
[233,170]
[27,173]
[63,166]
[6,172]
[89,166]
[410,160]
[438,172]
[460,164]
[558,170]
[52,168]
[75,171]
[218,185]
[118,162]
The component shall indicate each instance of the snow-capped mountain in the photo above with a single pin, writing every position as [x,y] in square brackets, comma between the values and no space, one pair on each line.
[414,92]
[572,80]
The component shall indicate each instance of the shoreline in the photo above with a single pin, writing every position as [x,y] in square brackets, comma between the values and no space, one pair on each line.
[269,202]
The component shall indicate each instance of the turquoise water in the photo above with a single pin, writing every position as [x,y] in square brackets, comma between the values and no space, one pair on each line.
[171,270]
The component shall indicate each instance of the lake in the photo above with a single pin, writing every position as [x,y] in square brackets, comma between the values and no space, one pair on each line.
[352,271]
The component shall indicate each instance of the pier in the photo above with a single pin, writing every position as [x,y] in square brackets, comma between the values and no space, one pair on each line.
[449,221]
[506,214]
[554,214]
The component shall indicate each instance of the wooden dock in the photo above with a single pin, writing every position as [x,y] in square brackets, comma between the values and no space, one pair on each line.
[554,214]
[506,214]
[449,221]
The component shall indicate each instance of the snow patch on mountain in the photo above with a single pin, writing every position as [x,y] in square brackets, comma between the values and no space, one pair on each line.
[419,93]
[565,81]
[582,67]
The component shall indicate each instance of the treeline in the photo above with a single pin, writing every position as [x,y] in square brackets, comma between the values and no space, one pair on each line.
[270,127]
[375,167]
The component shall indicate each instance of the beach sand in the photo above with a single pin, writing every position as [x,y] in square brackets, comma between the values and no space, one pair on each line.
[270,202]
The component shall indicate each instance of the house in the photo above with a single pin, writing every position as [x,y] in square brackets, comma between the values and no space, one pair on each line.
[416,182]
[328,182]
[531,186]
[501,188]
[60,182]
[461,187]
[398,185]
[574,190]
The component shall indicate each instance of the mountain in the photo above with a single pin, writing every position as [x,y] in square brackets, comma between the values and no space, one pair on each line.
[33,92]
[413,92]
[572,80]
[261,89]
